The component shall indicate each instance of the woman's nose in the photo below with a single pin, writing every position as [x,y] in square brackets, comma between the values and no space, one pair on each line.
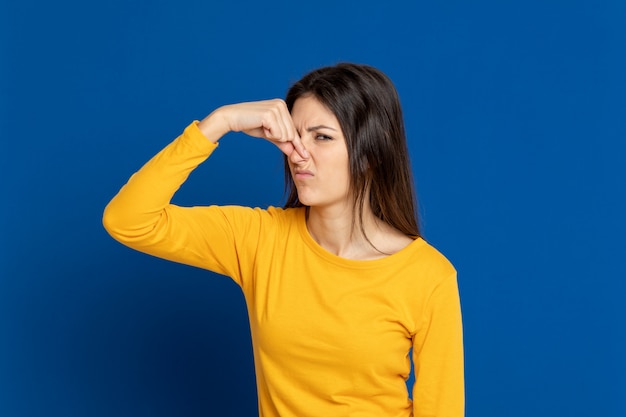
[296,157]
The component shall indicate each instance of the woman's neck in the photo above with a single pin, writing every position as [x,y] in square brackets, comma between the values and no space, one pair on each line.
[339,232]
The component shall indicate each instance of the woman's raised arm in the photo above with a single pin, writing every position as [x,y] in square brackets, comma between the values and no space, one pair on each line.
[267,119]
[141,215]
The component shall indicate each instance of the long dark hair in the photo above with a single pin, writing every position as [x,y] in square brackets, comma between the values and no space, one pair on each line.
[367,106]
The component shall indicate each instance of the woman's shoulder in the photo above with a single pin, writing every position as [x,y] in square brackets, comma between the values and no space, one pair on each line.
[279,215]
[270,215]
[285,213]
[426,257]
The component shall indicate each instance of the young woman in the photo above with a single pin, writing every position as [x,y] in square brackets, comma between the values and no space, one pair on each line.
[339,285]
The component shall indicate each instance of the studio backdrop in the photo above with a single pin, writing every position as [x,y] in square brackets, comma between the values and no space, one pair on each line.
[515,114]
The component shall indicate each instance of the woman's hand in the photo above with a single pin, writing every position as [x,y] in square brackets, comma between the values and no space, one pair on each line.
[267,119]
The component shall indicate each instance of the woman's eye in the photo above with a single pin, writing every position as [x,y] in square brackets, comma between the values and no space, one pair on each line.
[322,137]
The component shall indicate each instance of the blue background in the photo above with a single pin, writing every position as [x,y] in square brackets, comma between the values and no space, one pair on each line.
[516,117]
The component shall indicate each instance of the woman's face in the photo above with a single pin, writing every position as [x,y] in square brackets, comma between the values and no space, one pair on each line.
[322,179]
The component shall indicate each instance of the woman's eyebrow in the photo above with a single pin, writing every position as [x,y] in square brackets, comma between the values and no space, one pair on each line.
[318,127]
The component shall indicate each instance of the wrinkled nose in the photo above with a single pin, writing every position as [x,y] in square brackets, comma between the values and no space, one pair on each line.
[295,157]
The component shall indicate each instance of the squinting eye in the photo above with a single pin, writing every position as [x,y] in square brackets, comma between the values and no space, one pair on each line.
[322,137]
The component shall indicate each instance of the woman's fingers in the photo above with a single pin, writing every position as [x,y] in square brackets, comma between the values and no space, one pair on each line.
[286,121]
[298,146]
[269,119]
[285,147]
[289,131]
[260,118]
[277,123]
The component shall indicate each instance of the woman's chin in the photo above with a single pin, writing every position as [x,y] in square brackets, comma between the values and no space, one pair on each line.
[305,202]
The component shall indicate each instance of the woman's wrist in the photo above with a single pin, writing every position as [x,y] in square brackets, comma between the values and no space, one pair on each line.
[214,126]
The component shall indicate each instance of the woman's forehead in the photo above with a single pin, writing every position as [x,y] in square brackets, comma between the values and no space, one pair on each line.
[308,110]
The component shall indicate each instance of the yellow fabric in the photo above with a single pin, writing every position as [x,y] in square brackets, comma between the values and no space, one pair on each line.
[331,336]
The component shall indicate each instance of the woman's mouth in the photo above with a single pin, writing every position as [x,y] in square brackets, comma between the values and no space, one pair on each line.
[301,174]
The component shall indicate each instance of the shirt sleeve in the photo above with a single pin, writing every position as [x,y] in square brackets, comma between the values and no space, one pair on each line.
[142,217]
[438,355]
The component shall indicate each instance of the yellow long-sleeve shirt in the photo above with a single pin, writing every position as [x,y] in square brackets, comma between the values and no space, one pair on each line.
[331,336]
